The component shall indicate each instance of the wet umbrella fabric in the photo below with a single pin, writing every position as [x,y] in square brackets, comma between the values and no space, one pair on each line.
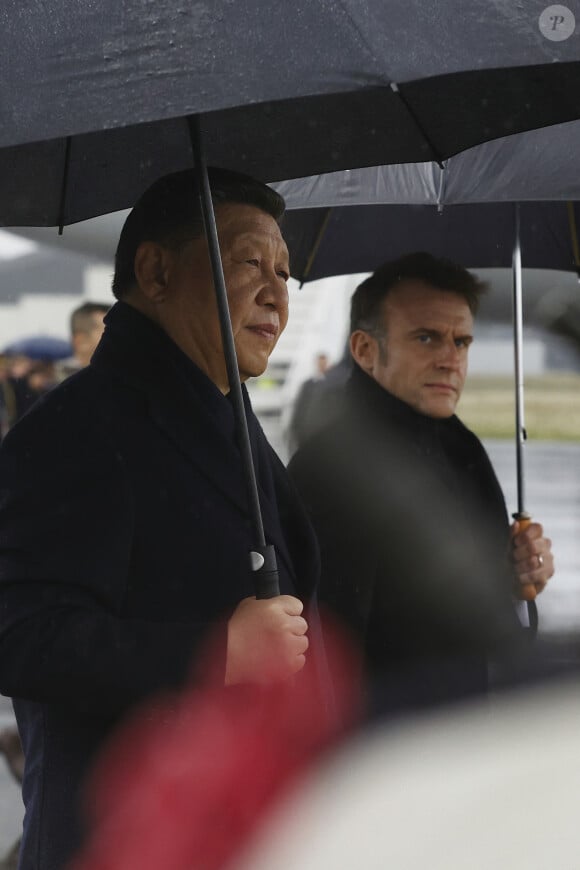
[98,100]
[538,165]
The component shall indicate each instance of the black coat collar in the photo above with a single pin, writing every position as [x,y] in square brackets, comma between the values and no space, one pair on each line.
[364,391]
[190,409]
[448,453]
[376,407]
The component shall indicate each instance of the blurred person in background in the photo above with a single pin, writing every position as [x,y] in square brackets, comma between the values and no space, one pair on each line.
[7,398]
[323,405]
[15,388]
[418,557]
[27,380]
[40,379]
[86,328]
[18,365]
[305,418]
[22,382]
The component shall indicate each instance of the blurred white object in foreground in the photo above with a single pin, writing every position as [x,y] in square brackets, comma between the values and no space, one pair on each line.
[486,786]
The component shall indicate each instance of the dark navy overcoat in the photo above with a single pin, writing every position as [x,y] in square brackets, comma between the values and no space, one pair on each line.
[124,541]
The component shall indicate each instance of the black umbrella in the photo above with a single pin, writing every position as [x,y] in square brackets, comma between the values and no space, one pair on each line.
[97,103]
[94,103]
[537,165]
[350,239]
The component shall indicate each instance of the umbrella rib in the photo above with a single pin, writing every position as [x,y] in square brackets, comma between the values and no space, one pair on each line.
[316,245]
[438,158]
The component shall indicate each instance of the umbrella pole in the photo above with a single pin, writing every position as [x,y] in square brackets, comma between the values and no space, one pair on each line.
[522,516]
[263,556]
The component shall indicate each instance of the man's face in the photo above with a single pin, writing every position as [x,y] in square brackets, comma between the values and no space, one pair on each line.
[422,357]
[85,342]
[256,269]
[321,363]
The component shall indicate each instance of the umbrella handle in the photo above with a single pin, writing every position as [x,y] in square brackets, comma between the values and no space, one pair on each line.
[529,591]
[265,569]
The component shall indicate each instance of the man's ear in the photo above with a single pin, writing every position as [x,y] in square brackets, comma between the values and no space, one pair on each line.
[152,266]
[364,350]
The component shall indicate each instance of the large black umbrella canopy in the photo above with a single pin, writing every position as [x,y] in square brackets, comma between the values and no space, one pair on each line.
[344,240]
[539,165]
[97,102]
[94,99]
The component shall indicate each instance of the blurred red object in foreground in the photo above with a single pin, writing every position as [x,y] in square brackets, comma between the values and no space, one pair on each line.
[186,782]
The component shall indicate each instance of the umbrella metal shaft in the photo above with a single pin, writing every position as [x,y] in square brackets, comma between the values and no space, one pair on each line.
[521,434]
[263,557]
[527,592]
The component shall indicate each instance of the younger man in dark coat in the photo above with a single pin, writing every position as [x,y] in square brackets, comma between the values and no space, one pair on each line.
[417,553]
[124,536]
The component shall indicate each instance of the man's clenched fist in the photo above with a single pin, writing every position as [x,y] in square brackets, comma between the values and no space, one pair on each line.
[266,640]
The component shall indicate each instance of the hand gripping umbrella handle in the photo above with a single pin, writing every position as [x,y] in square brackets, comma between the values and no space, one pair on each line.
[265,569]
[529,591]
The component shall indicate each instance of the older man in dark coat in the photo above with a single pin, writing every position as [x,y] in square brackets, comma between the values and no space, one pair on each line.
[124,536]
[417,554]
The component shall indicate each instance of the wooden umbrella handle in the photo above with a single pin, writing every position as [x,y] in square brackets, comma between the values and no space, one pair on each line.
[527,592]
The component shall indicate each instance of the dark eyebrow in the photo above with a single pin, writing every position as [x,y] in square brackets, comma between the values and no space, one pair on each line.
[436,333]
[422,330]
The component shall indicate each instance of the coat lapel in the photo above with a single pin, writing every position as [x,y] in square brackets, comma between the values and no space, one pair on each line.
[186,406]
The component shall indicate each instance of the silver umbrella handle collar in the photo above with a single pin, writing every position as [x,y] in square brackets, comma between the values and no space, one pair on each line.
[265,567]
